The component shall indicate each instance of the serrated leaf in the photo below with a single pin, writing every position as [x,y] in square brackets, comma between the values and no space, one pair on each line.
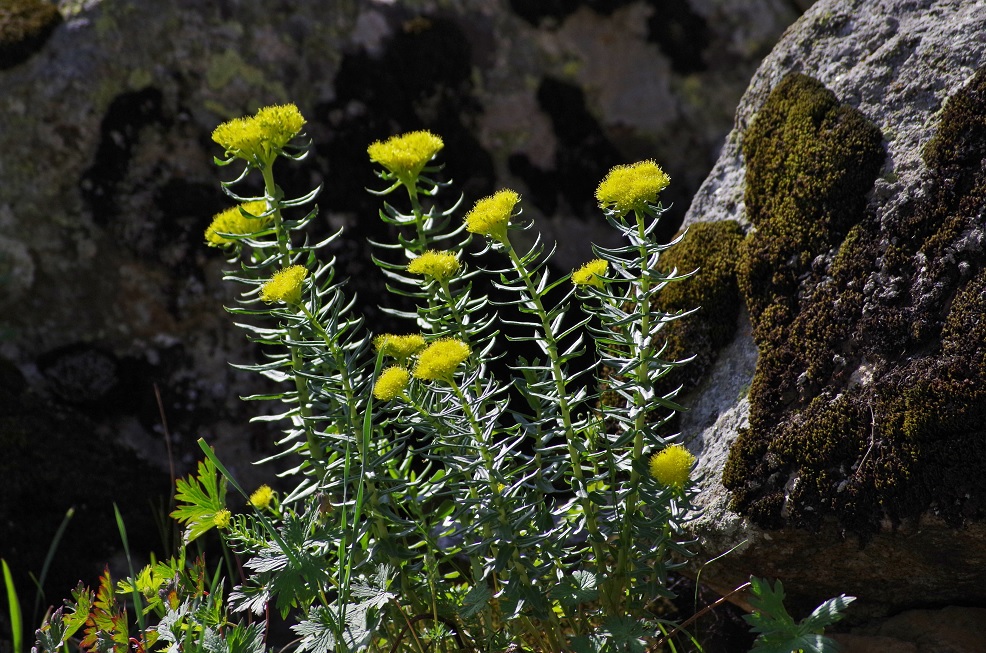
[827,613]
[778,633]
[475,601]
[625,634]
[579,587]
[317,631]
[199,500]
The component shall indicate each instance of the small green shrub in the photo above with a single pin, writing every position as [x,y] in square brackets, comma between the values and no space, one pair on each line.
[443,494]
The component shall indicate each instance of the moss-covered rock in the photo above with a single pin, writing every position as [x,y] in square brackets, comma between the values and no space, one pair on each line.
[24,27]
[868,401]
[711,249]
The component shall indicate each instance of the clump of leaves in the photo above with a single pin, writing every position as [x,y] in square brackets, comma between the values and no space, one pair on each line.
[776,628]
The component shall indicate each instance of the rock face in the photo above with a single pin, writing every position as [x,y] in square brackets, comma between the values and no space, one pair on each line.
[842,432]
[107,181]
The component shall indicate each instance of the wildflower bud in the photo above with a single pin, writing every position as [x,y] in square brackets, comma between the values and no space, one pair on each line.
[437,265]
[222,518]
[391,383]
[237,220]
[406,155]
[399,347]
[491,215]
[285,285]
[261,497]
[260,137]
[672,466]
[630,187]
[440,360]
[591,274]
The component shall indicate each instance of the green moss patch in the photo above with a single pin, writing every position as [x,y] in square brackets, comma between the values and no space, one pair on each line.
[869,399]
[25,25]
[711,248]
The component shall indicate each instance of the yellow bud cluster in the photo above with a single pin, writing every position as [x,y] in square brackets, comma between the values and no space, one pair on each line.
[630,187]
[241,220]
[672,466]
[406,155]
[491,215]
[222,518]
[591,274]
[440,360]
[260,137]
[399,347]
[437,265]
[285,286]
[261,497]
[391,383]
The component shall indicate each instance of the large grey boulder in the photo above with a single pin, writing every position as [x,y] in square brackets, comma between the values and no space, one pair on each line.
[842,431]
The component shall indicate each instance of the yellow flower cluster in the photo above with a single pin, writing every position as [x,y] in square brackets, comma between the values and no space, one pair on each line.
[672,466]
[491,215]
[241,220]
[285,285]
[399,347]
[261,497]
[591,273]
[632,187]
[437,265]
[259,138]
[391,383]
[222,518]
[406,155]
[441,358]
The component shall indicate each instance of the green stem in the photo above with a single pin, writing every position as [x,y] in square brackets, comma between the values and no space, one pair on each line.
[351,424]
[273,198]
[563,405]
[421,242]
[641,374]
[456,315]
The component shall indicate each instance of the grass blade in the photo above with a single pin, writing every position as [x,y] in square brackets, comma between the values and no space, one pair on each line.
[138,608]
[16,625]
[52,547]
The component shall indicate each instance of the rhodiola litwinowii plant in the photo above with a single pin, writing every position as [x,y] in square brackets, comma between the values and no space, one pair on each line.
[443,492]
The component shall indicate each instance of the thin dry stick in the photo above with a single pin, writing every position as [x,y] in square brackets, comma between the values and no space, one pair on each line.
[167,436]
[712,606]
[872,440]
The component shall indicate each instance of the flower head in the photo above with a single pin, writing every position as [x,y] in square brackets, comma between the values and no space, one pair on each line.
[279,124]
[391,383]
[440,360]
[261,136]
[672,466]
[491,215]
[285,285]
[244,219]
[222,518]
[261,497]
[630,187]
[406,155]
[399,347]
[437,265]
[591,273]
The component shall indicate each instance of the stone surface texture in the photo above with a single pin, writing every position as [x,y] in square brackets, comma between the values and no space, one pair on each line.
[858,429]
